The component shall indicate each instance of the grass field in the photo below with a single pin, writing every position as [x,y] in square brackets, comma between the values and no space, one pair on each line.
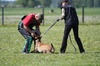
[13,15]
[12,43]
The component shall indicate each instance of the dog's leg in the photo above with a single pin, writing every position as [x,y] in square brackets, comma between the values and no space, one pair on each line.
[34,44]
[48,52]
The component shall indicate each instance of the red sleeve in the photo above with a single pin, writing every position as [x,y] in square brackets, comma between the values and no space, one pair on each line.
[28,19]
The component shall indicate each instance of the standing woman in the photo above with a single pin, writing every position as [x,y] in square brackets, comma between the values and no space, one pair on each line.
[71,22]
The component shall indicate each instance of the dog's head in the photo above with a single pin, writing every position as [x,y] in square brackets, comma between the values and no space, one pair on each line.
[38,38]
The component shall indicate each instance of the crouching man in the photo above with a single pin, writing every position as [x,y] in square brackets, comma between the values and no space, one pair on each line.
[25,27]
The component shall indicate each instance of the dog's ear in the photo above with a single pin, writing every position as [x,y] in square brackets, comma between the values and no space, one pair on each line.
[38,37]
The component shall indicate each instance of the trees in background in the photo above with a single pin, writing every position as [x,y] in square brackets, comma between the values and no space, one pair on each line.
[49,3]
[45,3]
[24,3]
[34,3]
[96,3]
[86,3]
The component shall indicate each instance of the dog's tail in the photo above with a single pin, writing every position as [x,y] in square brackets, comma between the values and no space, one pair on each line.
[52,48]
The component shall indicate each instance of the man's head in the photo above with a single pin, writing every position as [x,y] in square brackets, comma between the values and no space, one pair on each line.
[39,17]
[64,2]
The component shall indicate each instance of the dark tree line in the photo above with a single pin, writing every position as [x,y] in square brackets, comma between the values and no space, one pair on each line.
[34,3]
[86,3]
[47,3]
[53,3]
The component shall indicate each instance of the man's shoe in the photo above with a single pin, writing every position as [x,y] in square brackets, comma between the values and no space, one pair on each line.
[83,52]
[62,52]
[25,52]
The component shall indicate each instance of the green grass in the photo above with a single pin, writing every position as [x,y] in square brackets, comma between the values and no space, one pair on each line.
[89,11]
[13,15]
[57,11]
[24,11]
[12,43]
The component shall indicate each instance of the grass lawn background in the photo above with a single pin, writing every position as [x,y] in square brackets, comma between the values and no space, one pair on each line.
[12,43]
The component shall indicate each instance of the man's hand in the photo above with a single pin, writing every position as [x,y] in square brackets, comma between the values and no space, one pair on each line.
[57,19]
[33,34]
[39,33]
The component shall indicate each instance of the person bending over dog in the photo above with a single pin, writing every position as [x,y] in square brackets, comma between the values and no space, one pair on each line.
[25,27]
[71,22]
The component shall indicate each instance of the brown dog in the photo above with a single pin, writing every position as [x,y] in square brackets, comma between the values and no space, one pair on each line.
[43,48]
